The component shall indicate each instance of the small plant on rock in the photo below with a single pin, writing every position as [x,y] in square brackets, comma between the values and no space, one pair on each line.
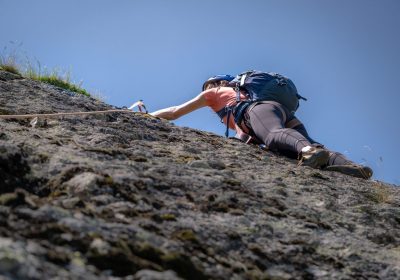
[56,78]
[10,61]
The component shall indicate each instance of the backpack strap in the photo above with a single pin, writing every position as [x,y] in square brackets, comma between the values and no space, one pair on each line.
[239,85]
[301,97]
[228,118]
[226,112]
[240,134]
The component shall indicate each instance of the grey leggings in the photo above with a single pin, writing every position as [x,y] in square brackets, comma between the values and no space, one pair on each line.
[268,122]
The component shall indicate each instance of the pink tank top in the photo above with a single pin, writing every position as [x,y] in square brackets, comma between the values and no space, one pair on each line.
[219,98]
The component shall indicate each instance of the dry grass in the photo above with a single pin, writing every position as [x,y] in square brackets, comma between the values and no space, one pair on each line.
[10,68]
[9,64]
[380,193]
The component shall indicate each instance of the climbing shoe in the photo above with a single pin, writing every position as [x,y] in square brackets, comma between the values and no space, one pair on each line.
[354,170]
[314,157]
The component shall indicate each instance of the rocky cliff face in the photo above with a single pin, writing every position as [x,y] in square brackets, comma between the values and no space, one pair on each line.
[131,196]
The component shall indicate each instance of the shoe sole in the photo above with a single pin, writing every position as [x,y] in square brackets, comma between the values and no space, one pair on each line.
[363,172]
[317,160]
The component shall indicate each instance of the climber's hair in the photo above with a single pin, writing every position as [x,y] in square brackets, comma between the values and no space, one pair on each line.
[216,84]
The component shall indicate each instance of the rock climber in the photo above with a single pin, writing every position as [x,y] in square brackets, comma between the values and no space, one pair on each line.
[265,122]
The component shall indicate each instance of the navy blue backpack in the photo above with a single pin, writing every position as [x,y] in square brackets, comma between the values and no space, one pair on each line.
[262,86]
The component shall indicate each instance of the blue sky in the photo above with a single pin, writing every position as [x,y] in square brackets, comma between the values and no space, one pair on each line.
[342,55]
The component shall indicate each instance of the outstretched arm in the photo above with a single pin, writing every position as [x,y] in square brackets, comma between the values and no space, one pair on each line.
[174,112]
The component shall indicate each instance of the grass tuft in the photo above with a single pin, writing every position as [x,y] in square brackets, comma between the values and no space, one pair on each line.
[11,63]
[54,77]
[380,193]
[10,68]
[60,82]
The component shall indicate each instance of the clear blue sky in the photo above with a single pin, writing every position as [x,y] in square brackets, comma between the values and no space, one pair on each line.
[342,55]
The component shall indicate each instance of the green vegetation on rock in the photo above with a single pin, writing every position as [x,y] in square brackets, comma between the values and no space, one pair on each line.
[61,79]
[62,83]
[9,68]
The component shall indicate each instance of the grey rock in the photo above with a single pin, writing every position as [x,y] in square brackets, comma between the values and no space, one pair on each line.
[128,196]
[8,76]
[217,164]
[13,167]
[146,274]
[200,164]
[85,182]
[70,202]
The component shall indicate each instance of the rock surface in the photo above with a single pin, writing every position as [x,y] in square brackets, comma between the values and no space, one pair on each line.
[129,196]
